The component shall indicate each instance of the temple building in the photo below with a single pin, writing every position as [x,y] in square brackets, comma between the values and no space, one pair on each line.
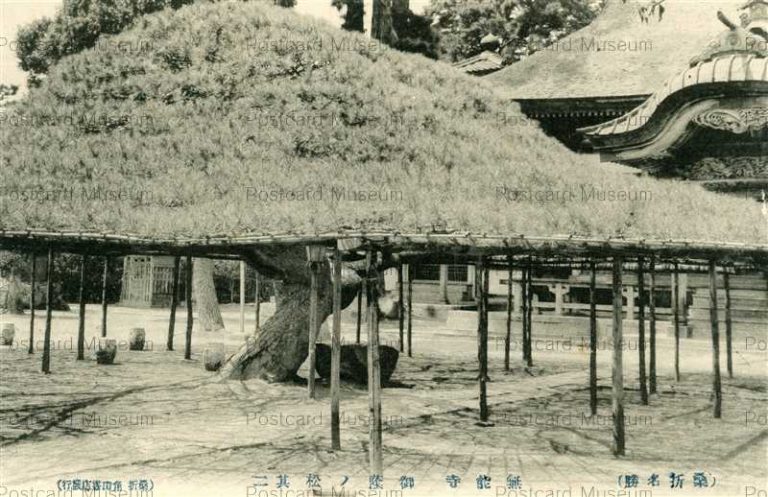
[679,94]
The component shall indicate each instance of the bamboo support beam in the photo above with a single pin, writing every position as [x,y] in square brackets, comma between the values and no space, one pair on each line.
[188,285]
[374,371]
[641,330]
[652,338]
[48,315]
[104,281]
[508,336]
[81,313]
[713,317]
[336,354]
[592,342]
[524,314]
[174,302]
[529,317]
[242,297]
[481,279]
[728,325]
[617,373]
[400,308]
[409,331]
[257,303]
[314,326]
[676,319]
[31,348]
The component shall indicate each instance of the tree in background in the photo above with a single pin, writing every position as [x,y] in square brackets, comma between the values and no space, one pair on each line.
[285,3]
[393,23]
[524,26]
[7,91]
[354,15]
[77,26]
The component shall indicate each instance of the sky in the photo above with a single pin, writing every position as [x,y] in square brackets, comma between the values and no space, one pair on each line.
[14,13]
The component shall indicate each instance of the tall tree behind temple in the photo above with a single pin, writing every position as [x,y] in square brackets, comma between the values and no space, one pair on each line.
[524,26]
[354,16]
[393,23]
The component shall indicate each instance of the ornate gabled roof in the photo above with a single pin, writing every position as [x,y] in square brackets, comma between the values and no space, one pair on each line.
[733,68]
[618,54]
[725,88]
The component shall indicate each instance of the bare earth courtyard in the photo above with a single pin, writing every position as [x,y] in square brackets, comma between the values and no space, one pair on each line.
[154,416]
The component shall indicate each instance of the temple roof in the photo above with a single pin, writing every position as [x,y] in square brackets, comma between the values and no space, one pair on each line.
[482,63]
[618,54]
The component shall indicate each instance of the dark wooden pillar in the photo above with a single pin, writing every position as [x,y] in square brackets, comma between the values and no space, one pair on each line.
[676,317]
[48,315]
[174,301]
[728,324]
[617,373]
[188,285]
[409,331]
[336,354]
[31,348]
[313,328]
[652,338]
[641,330]
[529,318]
[400,307]
[374,370]
[713,317]
[81,313]
[257,303]
[508,336]
[481,298]
[104,281]
[360,293]
[592,341]
[524,311]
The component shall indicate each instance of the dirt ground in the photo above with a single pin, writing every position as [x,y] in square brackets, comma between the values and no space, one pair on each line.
[154,416]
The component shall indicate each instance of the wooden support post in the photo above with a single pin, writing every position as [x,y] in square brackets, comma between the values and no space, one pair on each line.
[174,301]
[728,325]
[336,354]
[242,297]
[409,331]
[524,316]
[676,318]
[400,307]
[31,348]
[374,370]
[641,330]
[529,347]
[713,318]
[481,298]
[104,281]
[188,285]
[652,338]
[363,293]
[48,315]
[314,326]
[444,283]
[360,292]
[81,313]
[617,373]
[508,336]
[592,341]
[257,303]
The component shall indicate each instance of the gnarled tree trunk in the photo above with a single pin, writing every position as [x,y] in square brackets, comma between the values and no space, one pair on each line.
[206,302]
[281,346]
